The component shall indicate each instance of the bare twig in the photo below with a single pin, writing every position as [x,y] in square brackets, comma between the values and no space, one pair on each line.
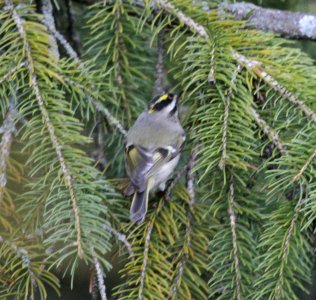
[286,23]
[232,217]
[8,128]
[279,283]
[50,128]
[122,238]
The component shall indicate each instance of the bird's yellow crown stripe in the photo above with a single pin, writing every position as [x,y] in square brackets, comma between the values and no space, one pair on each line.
[162,98]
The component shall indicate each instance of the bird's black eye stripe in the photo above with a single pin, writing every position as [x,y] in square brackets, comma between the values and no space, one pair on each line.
[160,105]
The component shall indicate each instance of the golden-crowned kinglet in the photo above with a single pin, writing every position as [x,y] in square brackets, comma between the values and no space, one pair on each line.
[152,151]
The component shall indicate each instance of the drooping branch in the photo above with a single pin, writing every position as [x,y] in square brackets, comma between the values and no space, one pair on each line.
[232,217]
[11,72]
[8,129]
[307,163]
[24,255]
[72,53]
[184,255]
[50,128]
[285,248]
[224,157]
[256,67]
[145,261]
[285,23]
[241,59]
[268,131]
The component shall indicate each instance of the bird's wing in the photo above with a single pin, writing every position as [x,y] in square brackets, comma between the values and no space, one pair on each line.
[142,162]
[139,160]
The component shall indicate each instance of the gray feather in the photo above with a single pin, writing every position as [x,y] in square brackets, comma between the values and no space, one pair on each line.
[139,207]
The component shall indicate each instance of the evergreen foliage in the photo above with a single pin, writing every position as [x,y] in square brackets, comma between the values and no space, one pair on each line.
[238,218]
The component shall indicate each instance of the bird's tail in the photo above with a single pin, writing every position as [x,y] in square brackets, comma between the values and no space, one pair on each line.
[139,205]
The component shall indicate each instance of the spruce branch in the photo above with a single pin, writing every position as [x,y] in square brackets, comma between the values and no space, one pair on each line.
[241,59]
[12,71]
[195,27]
[211,75]
[184,255]
[99,275]
[229,94]
[23,254]
[285,249]
[112,120]
[49,126]
[145,260]
[255,66]
[97,104]
[307,163]
[62,40]
[8,129]
[191,176]
[232,217]
[118,45]
[268,131]
[122,238]
[224,156]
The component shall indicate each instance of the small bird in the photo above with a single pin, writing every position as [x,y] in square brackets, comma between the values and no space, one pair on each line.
[152,151]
